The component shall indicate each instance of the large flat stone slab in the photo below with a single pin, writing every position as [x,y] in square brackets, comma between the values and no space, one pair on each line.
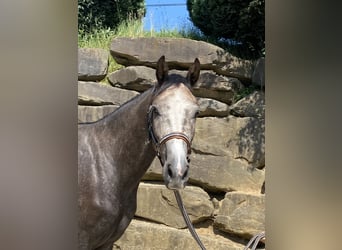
[209,85]
[221,88]
[211,107]
[241,138]
[211,135]
[157,203]
[92,64]
[241,214]
[217,174]
[252,105]
[138,78]
[93,93]
[180,54]
[247,140]
[141,235]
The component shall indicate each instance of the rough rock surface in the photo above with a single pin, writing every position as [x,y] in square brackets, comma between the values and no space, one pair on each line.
[92,64]
[211,136]
[247,142]
[241,138]
[221,88]
[93,93]
[258,76]
[142,235]
[157,203]
[238,205]
[179,53]
[217,174]
[252,105]
[138,78]
[211,107]
[209,84]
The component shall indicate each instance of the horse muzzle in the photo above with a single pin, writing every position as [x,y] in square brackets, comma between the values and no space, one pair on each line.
[175,180]
[176,165]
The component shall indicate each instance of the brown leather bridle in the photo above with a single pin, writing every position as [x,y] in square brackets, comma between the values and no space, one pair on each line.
[173,135]
[157,146]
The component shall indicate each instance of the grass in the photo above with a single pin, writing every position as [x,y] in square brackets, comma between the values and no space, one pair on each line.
[102,38]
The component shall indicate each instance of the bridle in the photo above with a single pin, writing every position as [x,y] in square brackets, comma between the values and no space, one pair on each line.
[173,135]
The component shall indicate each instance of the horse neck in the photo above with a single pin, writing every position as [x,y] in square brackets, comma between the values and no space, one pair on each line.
[128,125]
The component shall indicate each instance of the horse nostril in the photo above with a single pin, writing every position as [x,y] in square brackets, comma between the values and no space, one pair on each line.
[185,175]
[169,171]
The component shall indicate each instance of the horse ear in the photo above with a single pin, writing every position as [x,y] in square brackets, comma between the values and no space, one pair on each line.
[162,70]
[194,72]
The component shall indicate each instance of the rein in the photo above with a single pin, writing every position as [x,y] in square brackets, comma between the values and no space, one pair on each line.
[256,238]
[187,219]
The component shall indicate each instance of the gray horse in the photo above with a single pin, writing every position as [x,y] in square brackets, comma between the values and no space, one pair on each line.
[115,152]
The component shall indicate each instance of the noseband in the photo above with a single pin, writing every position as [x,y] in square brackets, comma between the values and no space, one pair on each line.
[173,135]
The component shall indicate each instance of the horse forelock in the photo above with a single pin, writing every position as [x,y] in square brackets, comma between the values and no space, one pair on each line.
[173,80]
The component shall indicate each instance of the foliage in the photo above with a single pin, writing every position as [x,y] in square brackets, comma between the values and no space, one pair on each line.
[245,92]
[96,14]
[239,23]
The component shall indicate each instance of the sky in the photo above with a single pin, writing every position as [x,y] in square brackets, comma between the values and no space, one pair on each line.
[166,14]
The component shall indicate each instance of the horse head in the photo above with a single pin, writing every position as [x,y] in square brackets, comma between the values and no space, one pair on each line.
[171,118]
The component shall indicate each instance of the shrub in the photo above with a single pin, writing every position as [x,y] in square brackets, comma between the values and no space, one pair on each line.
[240,21]
[97,14]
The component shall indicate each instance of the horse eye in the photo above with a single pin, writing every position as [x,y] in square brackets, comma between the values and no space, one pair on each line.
[156,111]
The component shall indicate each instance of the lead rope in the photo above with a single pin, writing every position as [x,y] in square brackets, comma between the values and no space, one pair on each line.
[256,238]
[187,219]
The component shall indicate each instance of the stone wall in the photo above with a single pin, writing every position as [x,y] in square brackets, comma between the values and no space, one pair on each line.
[225,197]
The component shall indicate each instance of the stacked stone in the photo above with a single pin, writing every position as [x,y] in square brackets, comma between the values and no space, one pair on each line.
[225,198]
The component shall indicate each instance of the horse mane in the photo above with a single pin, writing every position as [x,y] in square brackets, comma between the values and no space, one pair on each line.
[119,109]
